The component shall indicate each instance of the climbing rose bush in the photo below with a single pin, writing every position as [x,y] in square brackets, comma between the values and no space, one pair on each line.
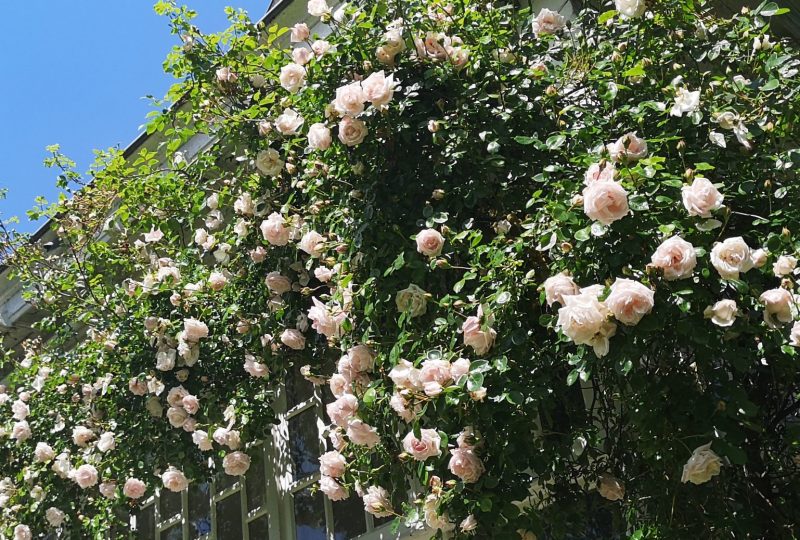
[544,270]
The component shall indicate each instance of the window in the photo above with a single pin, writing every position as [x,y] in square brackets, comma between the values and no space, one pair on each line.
[276,499]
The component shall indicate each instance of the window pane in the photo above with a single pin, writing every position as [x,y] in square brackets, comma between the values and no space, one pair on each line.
[146,523]
[173,533]
[348,518]
[225,481]
[169,504]
[304,441]
[199,510]
[298,389]
[229,518]
[309,515]
[259,528]
[254,480]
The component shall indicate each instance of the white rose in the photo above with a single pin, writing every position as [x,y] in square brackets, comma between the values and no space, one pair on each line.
[794,336]
[351,131]
[784,266]
[703,464]
[217,281]
[759,257]
[548,22]
[289,122]
[605,202]
[723,313]
[411,300]
[312,243]
[301,55]
[292,77]
[54,516]
[727,120]
[701,198]
[319,136]
[557,287]
[629,301]
[318,8]
[43,452]
[20,410]
[22,532]
[202,440]
[778,307]
[584,320]
[377,502]
[630,8]
[685,102]
[268,162]
[106,442]
[81,435]
[731,257]
[300,32]
[320,47]
[676,257]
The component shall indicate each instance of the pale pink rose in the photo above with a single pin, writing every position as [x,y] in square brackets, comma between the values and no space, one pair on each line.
[428,445]
[324,321]
[377,502]
[468,524]
[227,437]
[189,425]
[302,55]
[137,387]
[794,335]
[277,283]
[55,517]
[177,416]
[350,99]
[276,230]
[605,202]
[268,163]
[292,77]
[332,488]
[312,243]
[430,242]
[81,435]
[255,369]
[134,488]
[202,440]
[217,281]
[191,404]
[385,55]
[361,433]
[702,465]
[351,131]
[701,198]
[22,532]
[582,318]
[361,358]
[288,122]
[225,75]
[784,266]
[399,404]
[778,307]
[43,452]
[332,464]
[293,339]
[319,136]
[106,442]
[194,330]
[676,257]
[174,480]
[236,463]
[435,371]
[342,410]
[629,301]
[557,287]
[85,476]
[433,47]
[323,274]
[548,22]
[468,437]
[465,464]
[20,410]
[318,8]
[320,47]
[405,375]
[480,340]
[731,257]
[379,89]
[258,254]
[339,385]
[610,487]
[600,173]
[300,32]
[723,313]
[175,396]
[759,257]
[108,489]
[459,368]
[628,147]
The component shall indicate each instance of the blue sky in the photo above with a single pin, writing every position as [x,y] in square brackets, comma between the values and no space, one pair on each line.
[75,73]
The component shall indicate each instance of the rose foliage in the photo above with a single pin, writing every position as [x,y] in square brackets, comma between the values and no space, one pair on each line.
[544,269]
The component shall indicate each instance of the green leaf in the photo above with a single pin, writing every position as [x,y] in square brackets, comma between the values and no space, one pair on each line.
[604,17]
[772,84]
[635,71]
[554,142]
[572,377]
